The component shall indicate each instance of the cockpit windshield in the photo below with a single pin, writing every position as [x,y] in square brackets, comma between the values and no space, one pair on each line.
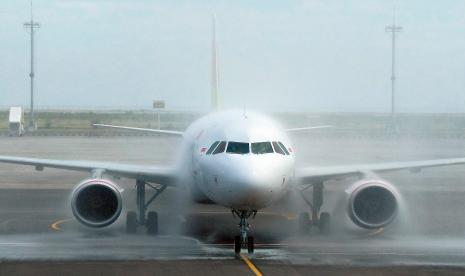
[238,148]
[220,147]
[262,148]
[284,148]
[213,146]
[246,148]
[278,148]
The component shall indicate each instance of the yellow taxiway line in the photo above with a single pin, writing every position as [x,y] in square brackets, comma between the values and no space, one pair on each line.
[251,265]
[378,231]
[56,225]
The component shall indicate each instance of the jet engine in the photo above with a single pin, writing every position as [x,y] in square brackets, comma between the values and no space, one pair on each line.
[373,203]
[96,202]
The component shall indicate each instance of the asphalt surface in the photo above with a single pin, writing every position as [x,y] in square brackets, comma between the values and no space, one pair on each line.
[39,235]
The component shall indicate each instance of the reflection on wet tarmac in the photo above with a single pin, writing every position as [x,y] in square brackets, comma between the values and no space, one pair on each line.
[36,223]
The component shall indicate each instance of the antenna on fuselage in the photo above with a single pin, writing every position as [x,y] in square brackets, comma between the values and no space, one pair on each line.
[215,101]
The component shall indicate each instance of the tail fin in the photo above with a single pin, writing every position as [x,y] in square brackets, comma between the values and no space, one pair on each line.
[215,101]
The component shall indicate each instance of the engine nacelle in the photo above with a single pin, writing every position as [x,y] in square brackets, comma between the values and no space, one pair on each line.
[96,202]
[373,203]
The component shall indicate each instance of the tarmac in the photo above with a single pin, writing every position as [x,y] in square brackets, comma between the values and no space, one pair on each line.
[38,234]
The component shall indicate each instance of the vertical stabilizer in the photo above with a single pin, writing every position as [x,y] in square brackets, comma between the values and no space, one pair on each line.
[215,101]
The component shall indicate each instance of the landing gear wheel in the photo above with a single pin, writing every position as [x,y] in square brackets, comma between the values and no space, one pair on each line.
[152,223]
[237,244]
[131,222]
[250,245]
[304,223]
[324,223]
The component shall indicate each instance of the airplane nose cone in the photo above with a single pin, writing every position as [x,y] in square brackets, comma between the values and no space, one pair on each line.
[254,186]
[255,181]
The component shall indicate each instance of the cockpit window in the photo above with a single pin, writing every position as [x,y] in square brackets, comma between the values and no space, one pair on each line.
[220,147]
[278,149]
[284,148]
[262,148]
[238,148]
[213,146]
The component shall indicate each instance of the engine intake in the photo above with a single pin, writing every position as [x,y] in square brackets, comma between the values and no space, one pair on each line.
[372,203]
[96,202]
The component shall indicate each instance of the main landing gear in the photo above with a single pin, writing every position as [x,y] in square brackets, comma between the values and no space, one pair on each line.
[322,220]
[244,240]
[142,218]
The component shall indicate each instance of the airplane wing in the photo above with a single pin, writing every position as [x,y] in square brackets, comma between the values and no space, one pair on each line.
[159,175]
[313,174]
[180,133]
[307,128]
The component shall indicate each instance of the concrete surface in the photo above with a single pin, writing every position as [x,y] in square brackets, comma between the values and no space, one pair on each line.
[428,237]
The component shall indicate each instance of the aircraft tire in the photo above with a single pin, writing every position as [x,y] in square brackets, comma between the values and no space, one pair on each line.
[324,223]
[131,222]
[237,244]
[304,223]
[152,223]
[250,244]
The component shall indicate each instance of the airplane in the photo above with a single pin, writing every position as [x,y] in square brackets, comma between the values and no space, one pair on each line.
[244,161]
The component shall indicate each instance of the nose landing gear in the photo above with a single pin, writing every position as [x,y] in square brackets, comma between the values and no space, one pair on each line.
[244,240]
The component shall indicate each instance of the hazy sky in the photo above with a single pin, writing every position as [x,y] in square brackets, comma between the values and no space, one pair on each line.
[307,55]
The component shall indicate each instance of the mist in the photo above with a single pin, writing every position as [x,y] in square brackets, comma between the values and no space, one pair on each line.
[303,63]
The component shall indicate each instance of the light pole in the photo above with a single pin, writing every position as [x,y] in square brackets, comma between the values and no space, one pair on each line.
[393,29]
[31,26]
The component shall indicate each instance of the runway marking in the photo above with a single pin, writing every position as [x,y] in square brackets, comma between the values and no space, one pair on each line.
[257,244]
[56,225]
[378,231]
[290,216]
[251,265]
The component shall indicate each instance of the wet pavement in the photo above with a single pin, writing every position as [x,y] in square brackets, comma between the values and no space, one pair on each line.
[36,223]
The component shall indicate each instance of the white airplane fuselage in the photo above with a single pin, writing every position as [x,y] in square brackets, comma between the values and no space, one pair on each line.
[241,181]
